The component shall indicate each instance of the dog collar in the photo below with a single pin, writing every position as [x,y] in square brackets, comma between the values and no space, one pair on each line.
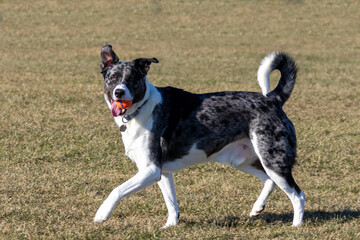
[127,118]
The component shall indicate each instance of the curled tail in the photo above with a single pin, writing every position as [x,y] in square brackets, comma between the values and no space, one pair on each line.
[286,66]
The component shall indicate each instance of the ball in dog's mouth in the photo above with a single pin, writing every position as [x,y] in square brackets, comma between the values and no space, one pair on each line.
[119,107]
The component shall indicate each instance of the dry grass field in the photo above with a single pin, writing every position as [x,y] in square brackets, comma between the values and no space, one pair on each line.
[61,152]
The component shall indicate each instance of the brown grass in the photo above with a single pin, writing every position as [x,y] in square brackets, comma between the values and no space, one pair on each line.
[61,153]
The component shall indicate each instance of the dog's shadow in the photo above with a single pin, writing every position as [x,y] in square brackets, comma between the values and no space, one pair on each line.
[317,216]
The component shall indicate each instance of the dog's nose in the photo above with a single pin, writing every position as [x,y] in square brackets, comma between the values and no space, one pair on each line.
[119,93]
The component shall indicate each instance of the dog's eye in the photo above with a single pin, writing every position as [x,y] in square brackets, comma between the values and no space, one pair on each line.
[113,78]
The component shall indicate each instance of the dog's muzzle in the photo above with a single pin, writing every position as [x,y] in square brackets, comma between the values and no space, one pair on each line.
[121,92]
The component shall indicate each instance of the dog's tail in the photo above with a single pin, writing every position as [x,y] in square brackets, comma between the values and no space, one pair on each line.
[286,66]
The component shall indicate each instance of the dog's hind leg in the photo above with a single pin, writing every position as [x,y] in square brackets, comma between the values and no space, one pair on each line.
[257,170]
[167,187]
[143,179]
[297,197]
[280,173]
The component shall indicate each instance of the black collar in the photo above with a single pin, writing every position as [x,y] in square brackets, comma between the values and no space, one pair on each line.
[127,118]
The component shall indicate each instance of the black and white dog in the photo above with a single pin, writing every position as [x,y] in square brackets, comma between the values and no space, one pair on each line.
[168,129]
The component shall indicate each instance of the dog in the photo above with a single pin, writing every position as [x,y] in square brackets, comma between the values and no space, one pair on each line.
[167,129]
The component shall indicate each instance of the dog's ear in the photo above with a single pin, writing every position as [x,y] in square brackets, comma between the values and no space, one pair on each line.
[108,57]
[143,64]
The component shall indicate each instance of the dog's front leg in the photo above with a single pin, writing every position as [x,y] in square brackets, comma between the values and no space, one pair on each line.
[144,178]
[167,187]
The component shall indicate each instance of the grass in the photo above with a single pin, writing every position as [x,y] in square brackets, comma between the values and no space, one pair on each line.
[61,153]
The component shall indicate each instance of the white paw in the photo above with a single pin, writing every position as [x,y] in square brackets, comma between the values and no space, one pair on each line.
[168,225]
[103,213]
[255,212]
[171,221]
[297,224]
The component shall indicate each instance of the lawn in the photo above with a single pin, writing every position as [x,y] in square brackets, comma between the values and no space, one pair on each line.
[61,153]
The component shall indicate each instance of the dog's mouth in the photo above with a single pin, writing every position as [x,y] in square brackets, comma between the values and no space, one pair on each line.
[116,110]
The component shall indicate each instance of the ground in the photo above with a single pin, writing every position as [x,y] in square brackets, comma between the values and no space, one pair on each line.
[61,152]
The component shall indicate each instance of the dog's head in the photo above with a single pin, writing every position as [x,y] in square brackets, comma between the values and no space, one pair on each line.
[124,80]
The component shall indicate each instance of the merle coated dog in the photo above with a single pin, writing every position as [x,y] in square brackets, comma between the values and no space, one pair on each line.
[167,129]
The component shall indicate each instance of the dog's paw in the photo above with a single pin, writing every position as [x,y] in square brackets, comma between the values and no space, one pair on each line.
[101,217]
[256,212]
[167,225]
[298,224]
[103,213]
[171,221]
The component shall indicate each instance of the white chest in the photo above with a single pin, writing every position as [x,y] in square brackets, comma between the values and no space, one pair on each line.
[136,139]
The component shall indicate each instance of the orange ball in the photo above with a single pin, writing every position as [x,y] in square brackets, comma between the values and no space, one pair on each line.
[124,104]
